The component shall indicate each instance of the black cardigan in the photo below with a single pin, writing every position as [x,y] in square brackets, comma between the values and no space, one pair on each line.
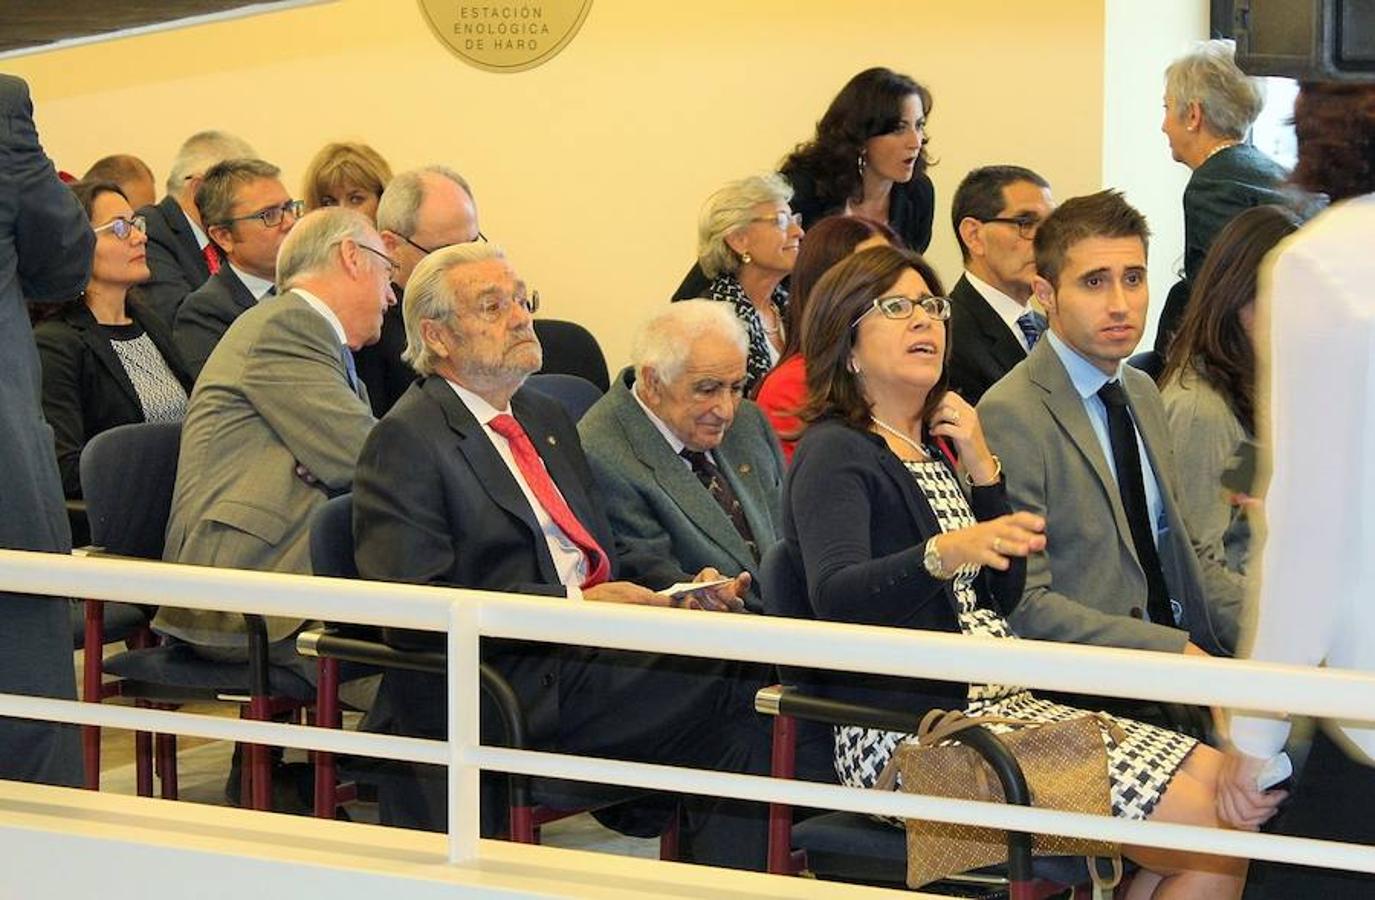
[85,388]
[856,519]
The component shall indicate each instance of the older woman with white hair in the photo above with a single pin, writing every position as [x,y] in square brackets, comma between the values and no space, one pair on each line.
[747,243]
[1210,105]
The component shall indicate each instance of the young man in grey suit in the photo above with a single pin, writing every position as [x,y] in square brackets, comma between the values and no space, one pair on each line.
[689,470]
[248,213]
[276,422]
[1083,442]
[45,256]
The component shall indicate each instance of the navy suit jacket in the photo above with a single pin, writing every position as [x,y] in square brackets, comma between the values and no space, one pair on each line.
[175,259]
[206,314]
[982,348]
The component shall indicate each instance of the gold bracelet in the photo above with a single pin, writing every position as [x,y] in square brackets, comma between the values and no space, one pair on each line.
[997,473]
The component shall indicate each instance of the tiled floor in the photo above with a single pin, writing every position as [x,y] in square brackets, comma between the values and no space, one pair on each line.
[202,766]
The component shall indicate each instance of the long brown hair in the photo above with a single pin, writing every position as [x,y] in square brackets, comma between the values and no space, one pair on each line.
[1211,342]
[837,300]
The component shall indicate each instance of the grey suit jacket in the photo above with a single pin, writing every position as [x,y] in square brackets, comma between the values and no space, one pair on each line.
[45,255]
[273,394]
[206,314]
[657,505]
[1088,586]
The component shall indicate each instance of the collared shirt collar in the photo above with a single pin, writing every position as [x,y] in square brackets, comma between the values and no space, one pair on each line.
[483,411]
[256,286]
[1006,307]
[198,232]
[320,307]
[1084,375]
[674,442]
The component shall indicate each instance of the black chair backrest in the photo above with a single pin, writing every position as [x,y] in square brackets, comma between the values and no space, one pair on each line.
[576,394]
[570,349]
[127,477]
[331,538]
[782,585]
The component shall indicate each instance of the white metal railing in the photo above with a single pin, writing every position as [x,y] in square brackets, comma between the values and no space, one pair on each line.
[467,615]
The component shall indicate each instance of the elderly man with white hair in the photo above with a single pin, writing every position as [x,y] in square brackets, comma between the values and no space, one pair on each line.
[276,421]
[689,470]
[473,480]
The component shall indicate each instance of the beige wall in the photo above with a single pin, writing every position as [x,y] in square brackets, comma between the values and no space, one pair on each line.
[591,168]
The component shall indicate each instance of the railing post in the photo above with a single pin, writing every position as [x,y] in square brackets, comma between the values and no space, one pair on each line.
[464,734]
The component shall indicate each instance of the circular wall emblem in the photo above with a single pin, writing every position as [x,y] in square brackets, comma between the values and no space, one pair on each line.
[505,36]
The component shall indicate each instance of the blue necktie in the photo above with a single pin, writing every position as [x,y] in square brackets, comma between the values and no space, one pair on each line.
[350,368]
[1031,328]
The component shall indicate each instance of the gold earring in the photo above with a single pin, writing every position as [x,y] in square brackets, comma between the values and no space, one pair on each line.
[745,258]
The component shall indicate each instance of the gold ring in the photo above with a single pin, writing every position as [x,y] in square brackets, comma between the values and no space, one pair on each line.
[954,416]
[997,545]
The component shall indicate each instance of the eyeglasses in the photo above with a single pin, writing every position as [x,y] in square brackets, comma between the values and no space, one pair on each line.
[480,239]
[495,309]
[122,228]
[900,307]
[272,216]
[392,268]
[1026,225]
[781,220]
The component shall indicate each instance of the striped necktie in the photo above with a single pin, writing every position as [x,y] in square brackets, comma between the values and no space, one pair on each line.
[1031,328]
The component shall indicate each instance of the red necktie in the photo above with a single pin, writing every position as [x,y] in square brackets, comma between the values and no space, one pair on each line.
[212,258]
[542,486]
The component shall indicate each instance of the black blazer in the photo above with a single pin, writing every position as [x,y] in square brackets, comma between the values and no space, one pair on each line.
[380,366]
[85,388]
[982,348]
[856,519]
[206,314]
[175,259]
[433,503]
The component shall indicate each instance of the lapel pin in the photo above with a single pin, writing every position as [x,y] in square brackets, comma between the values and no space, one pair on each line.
[744,468]
[552,441]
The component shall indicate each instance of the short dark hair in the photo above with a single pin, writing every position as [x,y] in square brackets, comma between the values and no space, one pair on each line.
[119,168]
[1104,214]
[87,191]
[980,195]
[838,299]
[827,243]
[1335,124]
[215,195]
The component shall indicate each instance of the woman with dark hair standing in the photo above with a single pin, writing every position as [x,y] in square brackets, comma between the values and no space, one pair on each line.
[784,389]
[889,532]
[107,359]
[1209,381]
[1315,605]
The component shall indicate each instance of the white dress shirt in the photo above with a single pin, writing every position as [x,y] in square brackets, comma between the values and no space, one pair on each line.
[1317,573]
[569,560]
[1008,309]
[258,287]
[323,309]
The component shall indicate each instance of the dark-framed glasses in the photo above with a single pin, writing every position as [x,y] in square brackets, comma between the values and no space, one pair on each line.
[480,239]
[900,307]
[496,309]
[1026,225]
[392,268]
[122,228]
[273,215]
[782,220]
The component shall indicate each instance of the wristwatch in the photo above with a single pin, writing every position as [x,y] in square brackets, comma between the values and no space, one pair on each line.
[931,560]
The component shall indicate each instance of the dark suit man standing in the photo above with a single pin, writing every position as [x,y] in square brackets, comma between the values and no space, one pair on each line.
[1084,443]
[46,245]
[420,211]
[276,421]
[179,251]
[247,213]
[996,212]
[689,471]
[473,481]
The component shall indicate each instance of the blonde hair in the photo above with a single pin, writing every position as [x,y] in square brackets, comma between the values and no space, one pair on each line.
[344,163]
[727,211]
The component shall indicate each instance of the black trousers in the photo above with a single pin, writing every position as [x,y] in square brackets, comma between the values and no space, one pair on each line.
[1334,799]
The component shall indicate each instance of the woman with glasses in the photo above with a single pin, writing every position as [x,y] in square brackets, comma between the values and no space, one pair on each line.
[347,174]
[898,515]
[107,359]
[747,243]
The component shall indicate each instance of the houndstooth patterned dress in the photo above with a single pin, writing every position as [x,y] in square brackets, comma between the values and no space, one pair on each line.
[1140,767]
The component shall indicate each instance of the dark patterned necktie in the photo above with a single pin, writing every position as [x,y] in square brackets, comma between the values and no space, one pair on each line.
[1131,485]
[1031,328]
[720,490]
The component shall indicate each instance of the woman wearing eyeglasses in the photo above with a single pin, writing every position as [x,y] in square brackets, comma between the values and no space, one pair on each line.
[107,359]
[897,513]
[747,243]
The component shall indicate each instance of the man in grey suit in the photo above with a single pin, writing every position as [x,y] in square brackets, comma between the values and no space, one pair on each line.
[46,245]
[276,422]
[248,213]
[689,471]
[1083,442]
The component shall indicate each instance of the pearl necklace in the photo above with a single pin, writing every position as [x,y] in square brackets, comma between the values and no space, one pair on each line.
[902,436]
[1225,145]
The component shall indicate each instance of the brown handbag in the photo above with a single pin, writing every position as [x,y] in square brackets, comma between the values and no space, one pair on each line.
[1066,768]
